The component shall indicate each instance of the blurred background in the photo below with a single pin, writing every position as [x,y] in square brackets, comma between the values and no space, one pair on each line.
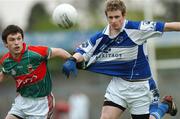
[84,94]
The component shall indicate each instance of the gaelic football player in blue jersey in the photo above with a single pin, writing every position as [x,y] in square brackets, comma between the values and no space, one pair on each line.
[120,51]
[28,66]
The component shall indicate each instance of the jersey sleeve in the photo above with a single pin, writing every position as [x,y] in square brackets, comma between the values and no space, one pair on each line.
[88,47]
[141,31]
[1,66]
[44,51]
[2,70]
[49,53]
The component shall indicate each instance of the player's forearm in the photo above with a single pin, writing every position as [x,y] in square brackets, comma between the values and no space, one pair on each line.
[58,52]
[78,57]
[172,26]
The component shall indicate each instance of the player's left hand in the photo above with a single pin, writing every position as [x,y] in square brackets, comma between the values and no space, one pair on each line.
[69,67]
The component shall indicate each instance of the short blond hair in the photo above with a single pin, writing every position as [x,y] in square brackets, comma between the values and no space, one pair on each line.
[112,5]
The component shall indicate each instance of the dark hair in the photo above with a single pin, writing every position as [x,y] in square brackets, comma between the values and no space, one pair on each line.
[11,29]
[112,5]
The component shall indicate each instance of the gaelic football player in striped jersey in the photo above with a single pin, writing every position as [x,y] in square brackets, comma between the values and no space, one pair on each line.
[120,51]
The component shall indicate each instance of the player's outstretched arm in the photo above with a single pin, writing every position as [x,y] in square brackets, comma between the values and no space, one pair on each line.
[59,52]
[1,76]
[172,26]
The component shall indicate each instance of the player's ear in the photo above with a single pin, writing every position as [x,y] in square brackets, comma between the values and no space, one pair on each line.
[5,44]
[124,15]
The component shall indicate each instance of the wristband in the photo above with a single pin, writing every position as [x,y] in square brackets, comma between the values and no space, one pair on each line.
[72,59]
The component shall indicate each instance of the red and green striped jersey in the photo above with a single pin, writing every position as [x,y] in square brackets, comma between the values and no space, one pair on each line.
[30,71]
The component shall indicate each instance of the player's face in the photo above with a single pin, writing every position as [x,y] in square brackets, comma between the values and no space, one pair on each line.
[115,19]
[14,44]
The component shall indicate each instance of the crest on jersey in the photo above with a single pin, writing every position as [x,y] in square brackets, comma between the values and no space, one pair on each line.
[30,68]
[85,45]
[147,25]
[13,72]
[119,39]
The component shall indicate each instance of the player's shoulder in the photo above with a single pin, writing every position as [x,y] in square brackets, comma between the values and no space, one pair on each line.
[4,57]
[129,24]
[96,36]
[39,49]
[36,47]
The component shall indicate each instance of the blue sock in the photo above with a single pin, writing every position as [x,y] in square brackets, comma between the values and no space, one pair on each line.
[161,111]
[153,110]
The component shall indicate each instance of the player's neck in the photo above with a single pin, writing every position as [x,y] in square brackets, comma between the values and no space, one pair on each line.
[114,32]
[16,56]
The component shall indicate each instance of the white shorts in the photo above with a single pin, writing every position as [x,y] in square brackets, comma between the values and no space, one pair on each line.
[136,96]
[33,108]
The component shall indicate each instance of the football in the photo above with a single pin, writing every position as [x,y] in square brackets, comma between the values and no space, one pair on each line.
[65,15]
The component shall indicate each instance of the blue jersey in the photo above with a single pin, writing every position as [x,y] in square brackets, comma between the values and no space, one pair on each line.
[124,55]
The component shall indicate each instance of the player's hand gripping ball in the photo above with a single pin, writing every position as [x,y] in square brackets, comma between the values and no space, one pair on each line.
[65,15]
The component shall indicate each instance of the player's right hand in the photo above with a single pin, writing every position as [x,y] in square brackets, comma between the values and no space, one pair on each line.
[69,67]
